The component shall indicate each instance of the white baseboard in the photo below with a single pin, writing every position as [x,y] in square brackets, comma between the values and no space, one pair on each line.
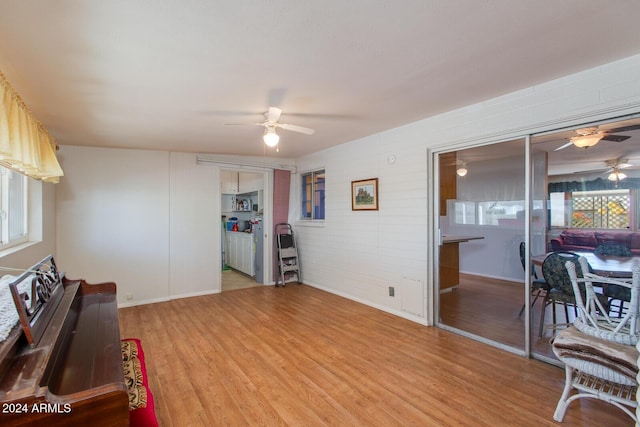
[404,315]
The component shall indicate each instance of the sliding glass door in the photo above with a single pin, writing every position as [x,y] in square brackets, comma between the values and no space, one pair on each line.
[504,206]
[483,208]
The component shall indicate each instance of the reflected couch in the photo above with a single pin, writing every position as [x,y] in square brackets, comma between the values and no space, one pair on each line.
[587,240]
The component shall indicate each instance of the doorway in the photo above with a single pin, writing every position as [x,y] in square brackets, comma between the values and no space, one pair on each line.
[242,201]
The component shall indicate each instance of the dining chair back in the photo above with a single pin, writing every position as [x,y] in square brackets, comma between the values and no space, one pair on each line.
[539,286]
[561,289]
[615,292]
[612,249]
[556,275]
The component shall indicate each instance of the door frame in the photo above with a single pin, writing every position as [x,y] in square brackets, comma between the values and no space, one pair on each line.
[433,250]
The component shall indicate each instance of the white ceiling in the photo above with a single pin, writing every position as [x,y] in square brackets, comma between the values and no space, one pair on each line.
[161,74]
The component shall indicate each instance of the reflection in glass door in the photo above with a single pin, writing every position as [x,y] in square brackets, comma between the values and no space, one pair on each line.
[503,207]
[590,195]
[539,224]
[483,208]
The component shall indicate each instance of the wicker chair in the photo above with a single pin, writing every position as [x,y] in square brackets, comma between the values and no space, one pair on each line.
[600,355]
[561,291]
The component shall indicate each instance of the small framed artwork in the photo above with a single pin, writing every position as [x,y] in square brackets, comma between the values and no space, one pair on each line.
[364,195]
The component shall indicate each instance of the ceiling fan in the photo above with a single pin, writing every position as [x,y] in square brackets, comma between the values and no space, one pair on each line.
[588,137]
[614,169]
[271,123]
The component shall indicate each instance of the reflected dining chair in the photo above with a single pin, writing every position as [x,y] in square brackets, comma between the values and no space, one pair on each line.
[539,286]
[611,291]
[612,249]
[561,289]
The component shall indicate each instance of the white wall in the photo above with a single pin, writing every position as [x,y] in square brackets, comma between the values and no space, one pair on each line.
[360,254]
[113,219]
[194,234]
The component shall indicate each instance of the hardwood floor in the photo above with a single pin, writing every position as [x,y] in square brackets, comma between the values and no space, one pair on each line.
[299,356]
[491,308]
[232,280]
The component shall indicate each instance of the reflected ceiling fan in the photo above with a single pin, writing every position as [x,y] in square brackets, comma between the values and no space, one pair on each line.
[588,137]
[614,169]
[271,123]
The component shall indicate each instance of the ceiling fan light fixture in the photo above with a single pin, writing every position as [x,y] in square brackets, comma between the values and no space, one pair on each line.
[584,141]
[270,137]
[616,175]
[462,169]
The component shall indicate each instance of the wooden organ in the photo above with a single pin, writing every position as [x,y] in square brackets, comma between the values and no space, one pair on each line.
[62,363]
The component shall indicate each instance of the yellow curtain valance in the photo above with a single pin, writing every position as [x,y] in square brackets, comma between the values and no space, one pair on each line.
[25,145]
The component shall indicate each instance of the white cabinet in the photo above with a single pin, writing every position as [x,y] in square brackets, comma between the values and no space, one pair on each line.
[232,251]
[234,182]
[247,255]
[240,252]
[229,182]
[249,182]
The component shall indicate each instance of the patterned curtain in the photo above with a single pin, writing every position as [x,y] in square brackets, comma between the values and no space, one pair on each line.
[593,185]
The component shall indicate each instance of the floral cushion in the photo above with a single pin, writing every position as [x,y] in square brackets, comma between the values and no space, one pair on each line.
[133,376]
[141,403]
[137,397]
[129,349]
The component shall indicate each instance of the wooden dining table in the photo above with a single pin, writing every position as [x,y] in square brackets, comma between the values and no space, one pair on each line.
[608,266]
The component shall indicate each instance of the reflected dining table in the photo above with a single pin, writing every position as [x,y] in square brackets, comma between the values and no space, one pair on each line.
[608,266]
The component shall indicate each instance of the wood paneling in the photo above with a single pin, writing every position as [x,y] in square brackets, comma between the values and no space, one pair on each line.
[300,356]
[449,265]
[448,180]
[450,252]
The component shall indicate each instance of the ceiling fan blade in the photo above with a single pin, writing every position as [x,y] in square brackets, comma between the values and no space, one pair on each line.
[244,124]
[615,138]
[624,128]
[296,128]
[562,147]
[273,115]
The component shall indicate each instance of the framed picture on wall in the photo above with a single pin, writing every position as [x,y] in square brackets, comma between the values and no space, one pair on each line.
[364,195]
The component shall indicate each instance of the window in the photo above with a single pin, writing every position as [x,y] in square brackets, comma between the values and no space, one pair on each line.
[313,195]
[496,213]
[464,212]
[13,208]
[608,209]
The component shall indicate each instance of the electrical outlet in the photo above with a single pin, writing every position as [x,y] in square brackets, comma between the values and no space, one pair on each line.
[392,291]
[129,296]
